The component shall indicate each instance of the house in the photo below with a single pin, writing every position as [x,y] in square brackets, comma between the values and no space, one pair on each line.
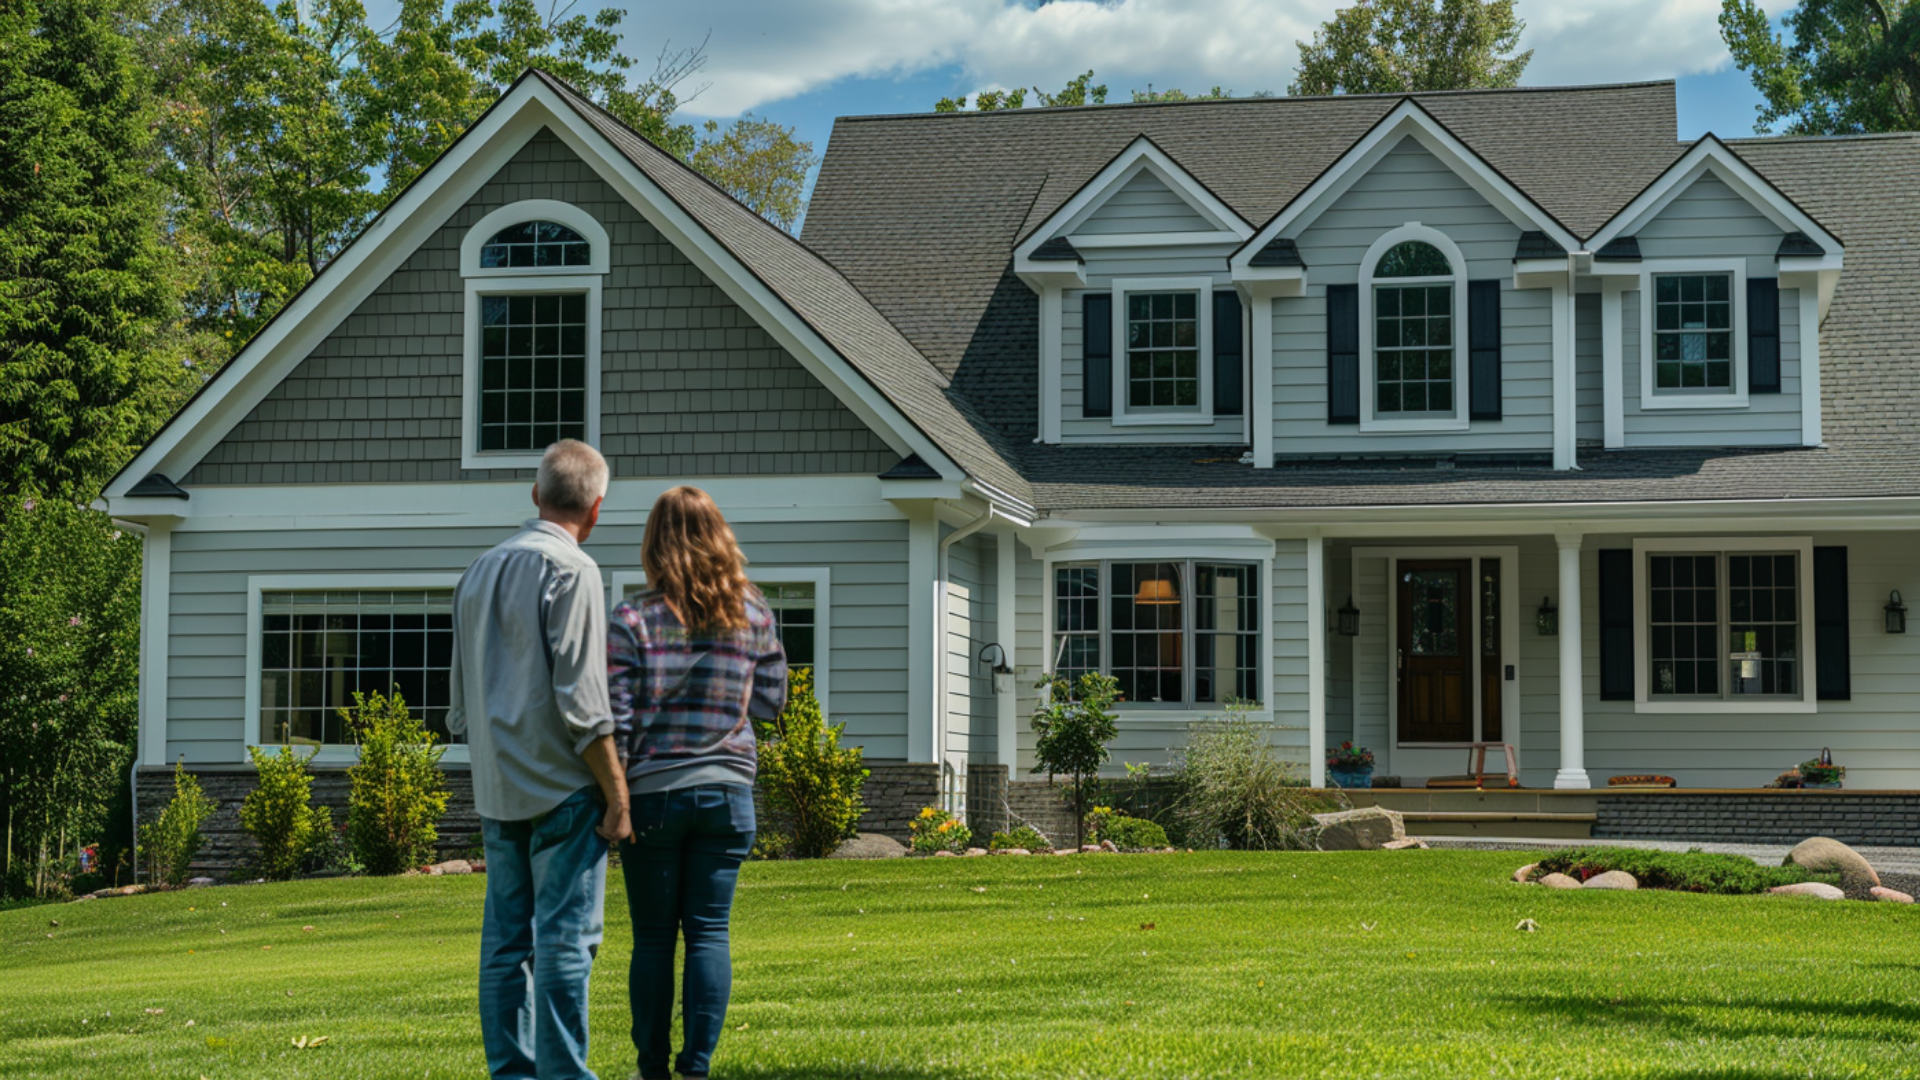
[1426,420]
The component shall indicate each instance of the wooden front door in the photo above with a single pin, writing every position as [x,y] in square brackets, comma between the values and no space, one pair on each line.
[1434,651]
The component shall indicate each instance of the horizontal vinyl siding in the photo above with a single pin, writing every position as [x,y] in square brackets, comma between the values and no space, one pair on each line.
[969,626]
[1288,652]
[1710,220]
[1074,427]
[1030,660]
[1410,184]
[207,655]
[1588,389]
[1143,205]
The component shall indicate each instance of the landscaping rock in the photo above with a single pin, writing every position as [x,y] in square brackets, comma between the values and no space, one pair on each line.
[1109,846]
[945,855]
[1892,896]
[1613,879]
[1366,829]
[1404,844]
[1067,851]
[1013,851]
[869,845]
[1819,890]
[1525,873]
[1822,855]
[199,882]
[1089,848]
[975,852]
[452,866]
[1559,881]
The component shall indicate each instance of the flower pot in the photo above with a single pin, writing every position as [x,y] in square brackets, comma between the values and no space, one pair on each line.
[1350,778]
[1830,785]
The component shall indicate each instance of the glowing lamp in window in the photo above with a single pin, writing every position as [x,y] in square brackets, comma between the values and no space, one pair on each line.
[1547,618]
[1896,614]
[1157,591]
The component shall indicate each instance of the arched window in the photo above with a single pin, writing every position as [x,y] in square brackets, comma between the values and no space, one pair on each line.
[1414,315]
[1413,258]
[534,244]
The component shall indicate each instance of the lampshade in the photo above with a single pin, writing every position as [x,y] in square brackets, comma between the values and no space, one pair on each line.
[1157,591]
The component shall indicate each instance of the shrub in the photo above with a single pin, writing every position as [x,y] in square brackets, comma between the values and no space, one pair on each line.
[936,830]
[1134,834]
[811,783]
[172,840]
[1688,871]
[1233,789]
[1074,725]
[1025,837]
[277,815]
[771,845]
[397,792]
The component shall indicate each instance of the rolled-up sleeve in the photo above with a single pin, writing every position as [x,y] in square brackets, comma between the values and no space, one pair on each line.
[577,642]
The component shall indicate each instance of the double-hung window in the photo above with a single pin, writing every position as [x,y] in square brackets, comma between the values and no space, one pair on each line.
[1413,333]
[1693,333]
[318,647]
[1182,633]
[1725,626]
[1163,352]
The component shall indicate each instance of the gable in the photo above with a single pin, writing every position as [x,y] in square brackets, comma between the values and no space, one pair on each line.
[1144,204]
[1709,218]
[1408,183]
[691,384]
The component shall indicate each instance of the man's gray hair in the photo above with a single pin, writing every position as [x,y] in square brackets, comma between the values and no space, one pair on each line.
[572,475]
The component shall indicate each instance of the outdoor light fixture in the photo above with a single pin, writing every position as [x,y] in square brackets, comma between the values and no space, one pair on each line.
[1348,622]
[1002,674]
[1548,619]
[1896,614]
[1156,591]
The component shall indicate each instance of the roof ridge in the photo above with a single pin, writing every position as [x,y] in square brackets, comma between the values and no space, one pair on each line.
[1851,136]
[1274,99]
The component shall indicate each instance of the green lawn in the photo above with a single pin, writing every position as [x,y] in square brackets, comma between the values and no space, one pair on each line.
[1388,964]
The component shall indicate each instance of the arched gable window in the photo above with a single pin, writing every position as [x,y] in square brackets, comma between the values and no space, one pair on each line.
[536,243]
[1414,296]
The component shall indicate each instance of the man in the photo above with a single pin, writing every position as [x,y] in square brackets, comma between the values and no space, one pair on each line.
[530,693]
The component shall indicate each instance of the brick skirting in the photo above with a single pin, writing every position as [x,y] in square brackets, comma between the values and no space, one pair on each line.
[1777,817]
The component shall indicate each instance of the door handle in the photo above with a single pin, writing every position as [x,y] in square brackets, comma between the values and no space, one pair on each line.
[1400,661]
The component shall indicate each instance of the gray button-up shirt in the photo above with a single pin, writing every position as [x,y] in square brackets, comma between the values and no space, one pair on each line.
[529,681]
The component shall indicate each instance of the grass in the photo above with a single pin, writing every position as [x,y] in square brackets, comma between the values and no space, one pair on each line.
[1387,964]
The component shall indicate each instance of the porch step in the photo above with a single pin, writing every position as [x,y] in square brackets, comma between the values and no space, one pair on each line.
[1544,826]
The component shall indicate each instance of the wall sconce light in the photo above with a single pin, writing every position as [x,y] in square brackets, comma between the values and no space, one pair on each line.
[1896,614]
[1348,621]
[1548,618]
[1002,674]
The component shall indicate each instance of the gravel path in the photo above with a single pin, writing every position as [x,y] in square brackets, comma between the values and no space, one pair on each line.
[1899,868]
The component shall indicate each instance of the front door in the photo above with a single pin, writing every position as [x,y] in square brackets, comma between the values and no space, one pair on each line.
[1434,651]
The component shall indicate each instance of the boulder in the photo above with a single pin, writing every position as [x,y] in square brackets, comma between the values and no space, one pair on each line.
[1013,851]
[869,845]
[1822,855]
[1109,846]
[1819,890]
[1403,844]
[199,882]
[1559,881]
[1089,848]
[946,854]
[975,852]
[1365,829]
[453,866]
[1613,879]
[1892,896]
[1525,873]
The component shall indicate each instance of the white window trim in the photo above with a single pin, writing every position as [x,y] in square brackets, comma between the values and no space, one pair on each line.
[522,284]
[1651,399]
[1250,554]
[820,577]
[560,213]
[1412,230]
[1801,546]
[1201,415]
[330,753]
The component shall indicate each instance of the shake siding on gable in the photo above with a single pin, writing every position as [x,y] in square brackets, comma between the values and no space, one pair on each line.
[691,386]
[1410,184]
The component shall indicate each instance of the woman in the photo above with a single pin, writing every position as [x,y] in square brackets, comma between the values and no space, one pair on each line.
[692,662]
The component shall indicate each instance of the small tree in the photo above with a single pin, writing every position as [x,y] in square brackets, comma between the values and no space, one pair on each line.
[277,815]
[1075,725]
[172,840]
[397,792]
[812,784]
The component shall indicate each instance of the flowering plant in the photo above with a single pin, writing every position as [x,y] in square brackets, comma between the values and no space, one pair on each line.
[937,830]
[1350,758]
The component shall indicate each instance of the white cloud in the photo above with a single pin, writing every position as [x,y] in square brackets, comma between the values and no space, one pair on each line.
[763,51]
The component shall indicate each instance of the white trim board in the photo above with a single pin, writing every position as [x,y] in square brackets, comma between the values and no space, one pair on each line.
[1202,414]
[1800,546]
[820,577]
[560,213]
[1652,400]
[1412,230]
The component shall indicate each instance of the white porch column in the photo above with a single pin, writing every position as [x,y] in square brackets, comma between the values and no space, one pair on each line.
[1573,730]
[924,638]
[156,592]
[1316,661]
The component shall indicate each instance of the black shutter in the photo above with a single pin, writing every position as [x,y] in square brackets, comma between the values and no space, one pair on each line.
[1096,382]
[1227,354]
[1483,341]
[1343,354]
[1833,679]
[1763,335]
[1616,624]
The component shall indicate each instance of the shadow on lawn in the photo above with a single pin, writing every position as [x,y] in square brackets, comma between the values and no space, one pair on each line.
[1727,1019]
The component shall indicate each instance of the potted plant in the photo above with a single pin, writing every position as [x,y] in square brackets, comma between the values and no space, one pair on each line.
[1350,766]
[1821,772]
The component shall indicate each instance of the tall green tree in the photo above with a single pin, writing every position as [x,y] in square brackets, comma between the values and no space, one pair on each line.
[1080,90]
[1842,67]
[760,163]
[1405,46]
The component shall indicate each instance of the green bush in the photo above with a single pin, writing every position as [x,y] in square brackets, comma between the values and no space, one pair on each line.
[771,845]
[1025,837]
[1689,871]
[172,840]
[1233,789]
[1074,724]
[1133,834]
[810,782]
[936,830]
[397,792]
[276,813]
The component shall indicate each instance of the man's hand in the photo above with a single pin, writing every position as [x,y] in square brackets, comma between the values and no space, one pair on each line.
[615,826]
[604,761]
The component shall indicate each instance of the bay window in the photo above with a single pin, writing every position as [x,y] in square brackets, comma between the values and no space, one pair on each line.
[1173,633]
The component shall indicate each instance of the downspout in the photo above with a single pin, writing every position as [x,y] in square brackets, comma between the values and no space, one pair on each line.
[941,652]
[133,770]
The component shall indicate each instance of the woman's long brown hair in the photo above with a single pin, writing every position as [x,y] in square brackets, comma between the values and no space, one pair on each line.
[691,556]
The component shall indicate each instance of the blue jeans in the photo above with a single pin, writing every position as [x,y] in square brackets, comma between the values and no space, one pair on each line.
[681,867]
[546,906]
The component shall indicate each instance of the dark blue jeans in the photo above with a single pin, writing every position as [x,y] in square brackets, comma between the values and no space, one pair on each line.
[681,867]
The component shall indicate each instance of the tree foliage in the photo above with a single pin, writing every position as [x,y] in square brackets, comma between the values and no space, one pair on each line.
[1078,91]
[1842,67]
[760,163]
[1405,46]
[1074,724]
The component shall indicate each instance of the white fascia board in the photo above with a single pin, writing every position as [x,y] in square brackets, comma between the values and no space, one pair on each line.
[1270,282]
[1141,155]
[1712,155]
[1041,276]
[1406,120]
[1097,241]
[1900,513]
[1539,273]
